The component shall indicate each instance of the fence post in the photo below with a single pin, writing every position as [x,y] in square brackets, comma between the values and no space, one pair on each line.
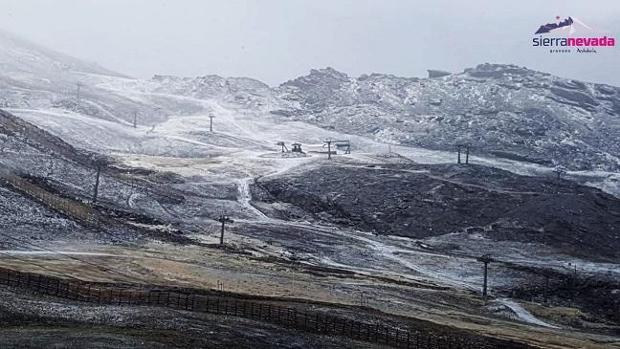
[349,323]
[40,284]
[67,292]
[360,330]
[317,327]
[329,325]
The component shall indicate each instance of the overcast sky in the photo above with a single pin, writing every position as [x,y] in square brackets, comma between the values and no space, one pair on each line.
[276,40]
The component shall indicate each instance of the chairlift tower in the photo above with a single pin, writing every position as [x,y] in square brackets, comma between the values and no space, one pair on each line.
[486,259]
[328,142]
[211,116]
[467,154]
[459,148]
[223,219]
[283,147]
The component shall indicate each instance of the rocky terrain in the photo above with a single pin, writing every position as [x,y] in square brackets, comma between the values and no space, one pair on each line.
[419,201]
[504,110]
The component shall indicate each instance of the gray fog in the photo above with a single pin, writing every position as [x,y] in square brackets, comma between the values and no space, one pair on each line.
[276,40]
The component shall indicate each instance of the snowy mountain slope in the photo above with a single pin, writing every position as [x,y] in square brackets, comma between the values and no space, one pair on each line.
[502,110]
[31,154]
[20,59]
[172,113]
[35,77]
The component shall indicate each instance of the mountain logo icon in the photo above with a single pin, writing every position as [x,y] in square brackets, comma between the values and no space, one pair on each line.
[547,28]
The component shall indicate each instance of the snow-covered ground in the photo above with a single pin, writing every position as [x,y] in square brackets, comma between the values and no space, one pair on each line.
[243,147]
[523,314]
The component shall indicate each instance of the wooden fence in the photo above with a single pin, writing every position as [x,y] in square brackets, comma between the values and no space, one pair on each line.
[71,208]
[221,303]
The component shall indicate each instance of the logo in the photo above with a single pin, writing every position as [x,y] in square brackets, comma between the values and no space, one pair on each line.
[563,35]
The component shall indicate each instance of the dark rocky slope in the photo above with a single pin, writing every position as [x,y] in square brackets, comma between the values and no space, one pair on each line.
[420,201]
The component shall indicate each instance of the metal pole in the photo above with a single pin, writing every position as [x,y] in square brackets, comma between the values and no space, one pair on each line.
[467,155]
[484,289]
[546,288]
[329,150]
[222,233]
[224,219]
[97,184]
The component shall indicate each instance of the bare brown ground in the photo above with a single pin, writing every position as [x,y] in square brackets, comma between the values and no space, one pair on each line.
[199,267]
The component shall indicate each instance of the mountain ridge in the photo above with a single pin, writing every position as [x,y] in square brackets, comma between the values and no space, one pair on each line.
[499,109]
